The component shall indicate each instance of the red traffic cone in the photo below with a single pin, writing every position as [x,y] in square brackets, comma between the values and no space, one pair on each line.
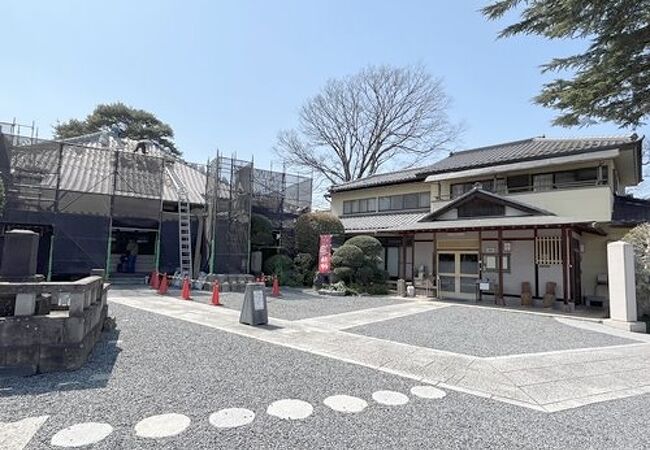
[164,285]
[185,291]
[275,292]
[215,294]
[155,280]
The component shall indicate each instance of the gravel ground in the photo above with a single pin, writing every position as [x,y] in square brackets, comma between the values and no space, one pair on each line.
[486,332]
[155,365]
[297,304]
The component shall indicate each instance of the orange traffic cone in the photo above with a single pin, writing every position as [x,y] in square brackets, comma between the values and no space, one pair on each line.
[155,280]
[215,294]
[164,285]
[275,292]
[185,291]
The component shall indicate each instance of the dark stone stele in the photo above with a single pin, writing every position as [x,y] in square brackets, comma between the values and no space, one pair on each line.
[254,310]
[19,256]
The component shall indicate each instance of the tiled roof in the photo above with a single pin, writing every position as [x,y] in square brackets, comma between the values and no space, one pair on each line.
[87,166]
[379,222]
[510,152]
[630,211]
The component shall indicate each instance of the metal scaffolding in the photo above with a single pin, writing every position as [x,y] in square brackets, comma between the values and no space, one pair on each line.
[89,195]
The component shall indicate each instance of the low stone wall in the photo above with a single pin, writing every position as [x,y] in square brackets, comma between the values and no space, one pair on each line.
[60,340]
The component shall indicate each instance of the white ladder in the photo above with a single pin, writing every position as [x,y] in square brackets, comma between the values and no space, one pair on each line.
[184,224]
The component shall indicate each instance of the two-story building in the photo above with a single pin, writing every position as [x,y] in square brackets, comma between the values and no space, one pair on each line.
[533,211]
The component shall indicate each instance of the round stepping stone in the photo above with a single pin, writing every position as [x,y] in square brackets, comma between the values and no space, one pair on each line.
[390,398]
[81,434]
[232,418]
[163,425]
[290,409]
[428,392]
[346,403]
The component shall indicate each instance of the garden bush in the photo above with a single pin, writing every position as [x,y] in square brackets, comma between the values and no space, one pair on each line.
[304,267]
[348,256]
[282,266]
[344,274]
[310,226]
[370,246]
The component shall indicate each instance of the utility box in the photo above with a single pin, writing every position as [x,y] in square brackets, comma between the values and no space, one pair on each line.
[254,310]
[19,256]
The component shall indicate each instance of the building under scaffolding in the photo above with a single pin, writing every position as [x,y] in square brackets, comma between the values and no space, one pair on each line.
[91,197]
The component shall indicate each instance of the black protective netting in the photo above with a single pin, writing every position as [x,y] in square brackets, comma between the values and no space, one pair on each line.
[77,193]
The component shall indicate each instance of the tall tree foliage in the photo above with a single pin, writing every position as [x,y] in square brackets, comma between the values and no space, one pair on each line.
[611,79]
[357,124]
[128,122]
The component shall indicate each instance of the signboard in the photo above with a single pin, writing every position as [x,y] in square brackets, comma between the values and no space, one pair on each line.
[325,253]
[258,300]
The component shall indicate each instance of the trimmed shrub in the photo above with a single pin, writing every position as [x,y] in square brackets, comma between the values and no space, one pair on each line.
[344,274]
[377,289]
[348,256]
[281,266]
[310,226]
[304,266]
[370,246]
[365,275]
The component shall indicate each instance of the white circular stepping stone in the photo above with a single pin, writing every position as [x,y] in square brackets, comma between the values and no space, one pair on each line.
[390,398]
[163,425]
[428,392]
[346,403]
[232,418]
[290,409]
[81,434]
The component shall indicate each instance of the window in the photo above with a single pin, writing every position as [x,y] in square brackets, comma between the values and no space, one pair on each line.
[543,182]
[548,250]
[411,201]
[479,207]
[396,202]
[364,205]
[459,189]
[490,263]
[425,199]
[384,203]
[418,200]
[518,183]
[590,176]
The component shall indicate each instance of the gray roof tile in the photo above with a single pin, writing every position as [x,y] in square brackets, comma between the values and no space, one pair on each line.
[509,152]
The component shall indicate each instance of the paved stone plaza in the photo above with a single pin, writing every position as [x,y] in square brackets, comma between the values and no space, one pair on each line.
[178,374]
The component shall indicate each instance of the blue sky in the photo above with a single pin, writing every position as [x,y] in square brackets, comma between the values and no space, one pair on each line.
[230,75]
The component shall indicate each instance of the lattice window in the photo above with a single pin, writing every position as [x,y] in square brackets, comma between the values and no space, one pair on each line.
[548,250]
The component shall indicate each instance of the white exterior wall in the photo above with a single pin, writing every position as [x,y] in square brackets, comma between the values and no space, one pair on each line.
[522,267]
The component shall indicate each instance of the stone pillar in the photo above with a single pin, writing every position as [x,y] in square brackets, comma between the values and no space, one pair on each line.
[25,305]
[622,287]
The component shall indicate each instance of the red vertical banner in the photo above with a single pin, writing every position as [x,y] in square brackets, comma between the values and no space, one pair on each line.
[325,253]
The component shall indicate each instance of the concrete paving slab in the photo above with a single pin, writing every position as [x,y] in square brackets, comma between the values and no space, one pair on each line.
[562,378]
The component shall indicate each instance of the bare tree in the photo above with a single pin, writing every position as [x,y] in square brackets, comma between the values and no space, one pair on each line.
[357,124]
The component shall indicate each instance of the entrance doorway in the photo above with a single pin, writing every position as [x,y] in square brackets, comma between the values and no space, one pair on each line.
[125,240]
[458,272]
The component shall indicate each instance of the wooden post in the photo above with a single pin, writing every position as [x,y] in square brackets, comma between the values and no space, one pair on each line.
[565,265]
[499,266]
[535,262]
